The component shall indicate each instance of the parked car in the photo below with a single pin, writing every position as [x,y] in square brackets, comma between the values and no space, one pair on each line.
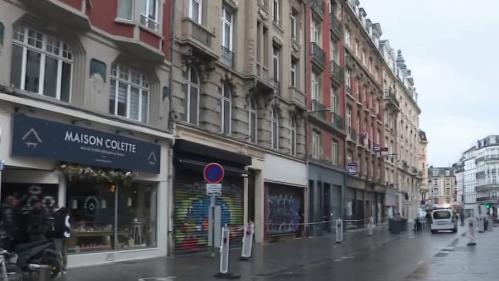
[443,219]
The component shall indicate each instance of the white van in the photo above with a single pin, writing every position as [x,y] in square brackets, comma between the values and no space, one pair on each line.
[443,219]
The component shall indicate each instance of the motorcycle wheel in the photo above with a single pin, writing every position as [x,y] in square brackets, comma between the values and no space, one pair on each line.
[54,264]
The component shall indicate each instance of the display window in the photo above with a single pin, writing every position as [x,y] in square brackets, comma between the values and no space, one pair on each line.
[107,216]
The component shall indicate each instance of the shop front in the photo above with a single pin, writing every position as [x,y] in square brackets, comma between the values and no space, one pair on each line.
[355,198]
[191,202]
[285,189]
[391,203]
[326,196]
[113,186]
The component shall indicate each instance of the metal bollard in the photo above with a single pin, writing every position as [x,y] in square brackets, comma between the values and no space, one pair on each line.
[370,227]
[339,231]
[470,231]
[481,224]
[223,272]
[249,231]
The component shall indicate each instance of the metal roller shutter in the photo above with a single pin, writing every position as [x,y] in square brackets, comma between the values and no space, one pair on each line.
[192,207]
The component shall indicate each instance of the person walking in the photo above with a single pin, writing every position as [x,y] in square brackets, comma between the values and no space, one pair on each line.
[11,219]
[428,220]
[61,231]
[38,222]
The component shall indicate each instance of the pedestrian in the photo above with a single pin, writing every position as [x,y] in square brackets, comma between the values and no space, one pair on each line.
[61,231]
[428,219]
[11,219]
[38,222]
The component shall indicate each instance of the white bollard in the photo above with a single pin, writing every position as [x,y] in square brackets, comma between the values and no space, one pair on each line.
[370,227]
[339,230]
[491,224]
[249,231]
[470,231]
[223,273]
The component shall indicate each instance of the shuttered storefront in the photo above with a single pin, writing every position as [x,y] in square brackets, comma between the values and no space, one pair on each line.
[283,210]
[192,208]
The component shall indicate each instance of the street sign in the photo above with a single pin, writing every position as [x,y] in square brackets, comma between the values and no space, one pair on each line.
[214,189]
[352,168]
[213,173]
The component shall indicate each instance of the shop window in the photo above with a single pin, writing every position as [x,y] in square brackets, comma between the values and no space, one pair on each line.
[41,64]
[26,194]
[129,93]
[108,217]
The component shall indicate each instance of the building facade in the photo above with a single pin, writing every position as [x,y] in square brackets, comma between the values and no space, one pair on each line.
[85,120]
[238,99]
[443,186]
[481,189]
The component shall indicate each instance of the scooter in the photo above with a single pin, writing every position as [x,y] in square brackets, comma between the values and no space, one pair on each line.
[39,255]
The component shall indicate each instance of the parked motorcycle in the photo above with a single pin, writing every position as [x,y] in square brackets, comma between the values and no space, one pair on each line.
[32,255]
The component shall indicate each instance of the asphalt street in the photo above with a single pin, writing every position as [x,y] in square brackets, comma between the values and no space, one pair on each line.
[404,257]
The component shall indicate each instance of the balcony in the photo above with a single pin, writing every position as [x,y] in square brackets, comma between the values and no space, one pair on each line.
[391,100]
[227,57]
[352,135]
[260,82]
[318,57]
[337,121]
[297,98]
[319,110]
[487,158]
[337,73]
[414,171]
[318,8]
[198,37]
[336,27]
[64,14]
[483,186]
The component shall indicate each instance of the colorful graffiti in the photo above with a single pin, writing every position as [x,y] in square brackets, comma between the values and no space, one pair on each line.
[284,212]
[191,214]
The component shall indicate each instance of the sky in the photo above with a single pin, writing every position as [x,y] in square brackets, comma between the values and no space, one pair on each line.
[452,48]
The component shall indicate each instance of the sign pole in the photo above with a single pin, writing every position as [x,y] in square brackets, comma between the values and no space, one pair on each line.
[212,207]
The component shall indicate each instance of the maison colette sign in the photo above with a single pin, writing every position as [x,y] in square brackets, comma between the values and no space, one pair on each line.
[40,138]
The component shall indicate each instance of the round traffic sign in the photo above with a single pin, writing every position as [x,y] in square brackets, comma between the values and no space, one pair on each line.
[213,173]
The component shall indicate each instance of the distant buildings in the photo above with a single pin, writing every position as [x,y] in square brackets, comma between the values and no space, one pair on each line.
[442,185]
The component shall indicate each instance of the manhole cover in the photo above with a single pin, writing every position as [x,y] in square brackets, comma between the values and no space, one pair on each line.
[170,278]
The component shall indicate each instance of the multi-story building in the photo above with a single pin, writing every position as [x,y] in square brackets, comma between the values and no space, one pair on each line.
[238,99]
[459,173]
[423,167]
[443,186]
[325,108]
[84,117]
[481,165]
[364,193]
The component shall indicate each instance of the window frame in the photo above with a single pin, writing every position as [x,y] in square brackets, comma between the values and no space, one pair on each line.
[276,11]
[274,125]
[294,73]
[190,85]
[143,86]
[147,17]
[276,62]
[200,11]
[132,15]
[223,100]
[294,26]
[316,144]
[316,91]
[43,52]
[230,22]
[252,121]
[292,135]
[335,152]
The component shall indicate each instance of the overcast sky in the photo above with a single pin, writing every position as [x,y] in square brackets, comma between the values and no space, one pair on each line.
[452,48]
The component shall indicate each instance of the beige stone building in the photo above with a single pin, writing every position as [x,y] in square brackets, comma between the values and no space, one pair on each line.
[238,99]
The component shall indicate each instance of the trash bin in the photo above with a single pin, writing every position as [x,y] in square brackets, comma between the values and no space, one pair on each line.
[395,226]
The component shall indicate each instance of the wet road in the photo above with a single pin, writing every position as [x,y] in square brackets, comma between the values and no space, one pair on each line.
[405,257]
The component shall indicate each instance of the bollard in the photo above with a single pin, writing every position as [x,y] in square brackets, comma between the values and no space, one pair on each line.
[481,224]
[470,231]
[370,227]
[491,224]
[223,272]
[249,231]
[339,230]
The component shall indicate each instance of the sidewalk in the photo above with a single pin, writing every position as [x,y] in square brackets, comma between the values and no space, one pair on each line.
[268,259]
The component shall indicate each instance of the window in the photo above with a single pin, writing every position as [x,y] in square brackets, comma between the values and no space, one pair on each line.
[334,102]
[195,10]
[316,32]
[316,144]
[347,37]
[274,122]
[2,30]
[348,79]
[149,14]
[125,10]
[41,64]
[276,11]
[292,135]
[335,153]
[227,28]
[276,53]
[294,26]
[226,105]
[315,92]
[348,117]
[129,93]
[192,96]
[252,116]
[294,73]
